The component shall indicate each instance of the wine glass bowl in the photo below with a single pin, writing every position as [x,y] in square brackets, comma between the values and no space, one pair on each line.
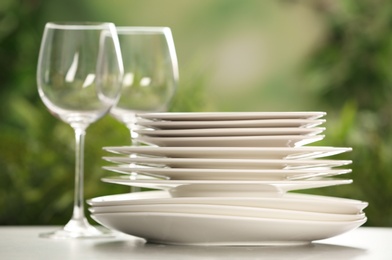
[150,72]
[79,78]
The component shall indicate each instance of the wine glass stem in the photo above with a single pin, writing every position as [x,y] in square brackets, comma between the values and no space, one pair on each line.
[78,210]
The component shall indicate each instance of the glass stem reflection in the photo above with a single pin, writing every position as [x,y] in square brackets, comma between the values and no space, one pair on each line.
[132,126]
[134,135]
[130,122]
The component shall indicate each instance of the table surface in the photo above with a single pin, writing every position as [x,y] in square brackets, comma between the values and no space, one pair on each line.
[22,242]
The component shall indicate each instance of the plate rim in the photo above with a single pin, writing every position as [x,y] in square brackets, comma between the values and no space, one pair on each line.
[236,115]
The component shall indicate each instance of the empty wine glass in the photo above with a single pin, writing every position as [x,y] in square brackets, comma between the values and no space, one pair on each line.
[150,73]
[79,78]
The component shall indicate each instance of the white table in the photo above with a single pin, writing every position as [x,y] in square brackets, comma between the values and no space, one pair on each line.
[22,242]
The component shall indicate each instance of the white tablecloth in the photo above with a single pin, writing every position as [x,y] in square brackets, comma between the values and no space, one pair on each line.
[22,242]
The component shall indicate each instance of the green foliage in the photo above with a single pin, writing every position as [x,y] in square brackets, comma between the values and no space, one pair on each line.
[351,71]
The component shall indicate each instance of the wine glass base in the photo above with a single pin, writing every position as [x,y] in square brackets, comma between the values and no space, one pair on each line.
[78,230]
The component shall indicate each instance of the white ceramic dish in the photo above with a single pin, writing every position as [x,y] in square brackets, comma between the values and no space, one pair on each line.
[231,132]
[205,188]
[217,230]
[306,123]
[228,163]
[191,116]
[232,152]
[232,141]
[288,201]
[243,189]
[227,210]
[227,174]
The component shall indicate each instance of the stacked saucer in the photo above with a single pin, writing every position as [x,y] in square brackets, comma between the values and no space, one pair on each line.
[228,179]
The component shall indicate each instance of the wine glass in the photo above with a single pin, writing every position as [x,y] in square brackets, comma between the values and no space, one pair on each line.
[79,78]
[150,73]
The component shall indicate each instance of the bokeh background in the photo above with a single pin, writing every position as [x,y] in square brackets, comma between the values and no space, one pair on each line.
[250,55]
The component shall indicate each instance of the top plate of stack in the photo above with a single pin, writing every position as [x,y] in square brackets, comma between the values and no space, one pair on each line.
[200,124]
[231,115]
[201,132]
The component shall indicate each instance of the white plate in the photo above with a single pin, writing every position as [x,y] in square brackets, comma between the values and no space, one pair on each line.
[205,188]
[231,132]
[228,163]
[227,174]
[226,210]
[232,152]
[305,123]
[288,201]
[200,229]
[191,116]
[239,141]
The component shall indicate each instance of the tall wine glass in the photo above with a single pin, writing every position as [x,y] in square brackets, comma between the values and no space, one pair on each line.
[79,78]
[150,73]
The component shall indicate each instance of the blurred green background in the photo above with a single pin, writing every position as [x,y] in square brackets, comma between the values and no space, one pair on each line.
[250,55]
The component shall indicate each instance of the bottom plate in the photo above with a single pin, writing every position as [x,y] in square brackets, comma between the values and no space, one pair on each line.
[214,230]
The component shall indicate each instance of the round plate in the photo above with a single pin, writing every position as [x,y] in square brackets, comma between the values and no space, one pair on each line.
[303,152]
[203,229]
[233,141]
[231,115]
[289,201]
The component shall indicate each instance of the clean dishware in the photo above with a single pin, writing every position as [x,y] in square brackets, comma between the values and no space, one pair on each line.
[196,116]
[227,188]
[163,124]
[227,174]
[245,188]
[150,73]
[227,210]
[288,201]
[231,132]
[227,163]
[303,152]
[79,79]
[218,230]
[232,141]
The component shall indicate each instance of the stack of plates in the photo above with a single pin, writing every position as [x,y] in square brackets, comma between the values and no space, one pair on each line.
[227,179]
